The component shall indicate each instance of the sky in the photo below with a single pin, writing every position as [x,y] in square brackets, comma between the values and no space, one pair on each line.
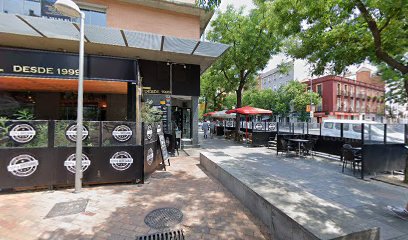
[301,68]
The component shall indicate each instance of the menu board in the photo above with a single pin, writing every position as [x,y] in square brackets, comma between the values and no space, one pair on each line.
[163,113]
[163,147]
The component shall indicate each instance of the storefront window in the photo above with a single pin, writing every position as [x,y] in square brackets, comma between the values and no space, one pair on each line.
[33,8]
[13,6]
[95,18]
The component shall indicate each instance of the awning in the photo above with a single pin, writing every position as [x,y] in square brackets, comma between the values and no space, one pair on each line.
[56,35]
[208,114]
[223,114]
[248,110]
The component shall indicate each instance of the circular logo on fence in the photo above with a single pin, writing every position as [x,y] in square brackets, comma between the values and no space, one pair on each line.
[150,156]
[272,126]
[258,126]
[23,165]
[71,133]
[121,161]
[22,133]
[229,124]
[70,163]
[158,129]
[122,133]
[149,132]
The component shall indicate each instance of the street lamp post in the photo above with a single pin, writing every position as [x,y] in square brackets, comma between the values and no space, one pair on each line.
[70,9]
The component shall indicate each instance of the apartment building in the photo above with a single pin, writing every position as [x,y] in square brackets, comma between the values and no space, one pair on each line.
[345,98]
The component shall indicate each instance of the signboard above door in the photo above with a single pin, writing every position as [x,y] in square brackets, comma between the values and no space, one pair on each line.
[31,63]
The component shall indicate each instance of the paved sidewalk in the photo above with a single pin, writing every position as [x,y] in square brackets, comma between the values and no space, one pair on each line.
[118,211]
[322,178]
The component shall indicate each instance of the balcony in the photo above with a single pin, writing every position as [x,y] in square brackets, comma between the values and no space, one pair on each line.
[339,93]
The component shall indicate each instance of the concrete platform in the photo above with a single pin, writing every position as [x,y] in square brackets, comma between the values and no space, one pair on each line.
[288,211]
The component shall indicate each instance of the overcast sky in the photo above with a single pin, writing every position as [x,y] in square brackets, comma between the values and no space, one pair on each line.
[301,68]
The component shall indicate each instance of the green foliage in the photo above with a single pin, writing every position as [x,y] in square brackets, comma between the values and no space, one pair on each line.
[396,83]
[150,114]
[252,45]
[214,87]
[334,34]
[208,4]
[24,114]
[293,97]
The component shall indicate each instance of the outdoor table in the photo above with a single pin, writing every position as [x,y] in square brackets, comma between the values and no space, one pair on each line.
[299,141]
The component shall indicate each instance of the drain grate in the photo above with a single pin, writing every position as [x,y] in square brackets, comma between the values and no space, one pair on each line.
[170,235]
[161,175]
[67,208]
[163,218]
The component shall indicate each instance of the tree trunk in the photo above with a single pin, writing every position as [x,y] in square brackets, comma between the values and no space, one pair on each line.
[237,119]
[205,105]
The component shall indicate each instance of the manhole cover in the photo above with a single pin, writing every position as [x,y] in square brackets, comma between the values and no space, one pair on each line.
[161,175]
[67,208]
[163,218]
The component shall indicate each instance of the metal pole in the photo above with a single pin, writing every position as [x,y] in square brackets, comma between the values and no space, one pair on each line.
[170,107]
[311,102]
[78,152]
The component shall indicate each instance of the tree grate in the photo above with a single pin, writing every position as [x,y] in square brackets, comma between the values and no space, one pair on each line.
[163,218]
[67,208]
[170,235]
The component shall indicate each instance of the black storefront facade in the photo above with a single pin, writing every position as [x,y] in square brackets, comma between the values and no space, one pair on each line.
[37,128]
[38,85]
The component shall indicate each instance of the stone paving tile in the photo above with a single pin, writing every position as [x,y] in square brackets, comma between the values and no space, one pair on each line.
[118,211]
[366,199]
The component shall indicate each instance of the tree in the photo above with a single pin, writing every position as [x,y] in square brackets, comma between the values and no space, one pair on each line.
[213,89]
[208,4]
[334,34]
[149,113]
[252,45]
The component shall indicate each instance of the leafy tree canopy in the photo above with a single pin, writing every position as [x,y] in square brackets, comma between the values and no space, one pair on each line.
[208,4]
[337,33]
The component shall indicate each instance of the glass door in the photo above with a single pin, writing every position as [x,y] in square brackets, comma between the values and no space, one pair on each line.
[186,132]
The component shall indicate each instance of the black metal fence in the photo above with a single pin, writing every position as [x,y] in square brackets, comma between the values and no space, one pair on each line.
[42,153]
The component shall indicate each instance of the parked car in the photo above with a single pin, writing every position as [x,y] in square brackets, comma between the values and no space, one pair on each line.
[373,131]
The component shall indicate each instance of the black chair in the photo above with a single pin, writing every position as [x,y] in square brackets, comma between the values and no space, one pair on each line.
[350,155]
[272,142]
[286,146]
[307,148]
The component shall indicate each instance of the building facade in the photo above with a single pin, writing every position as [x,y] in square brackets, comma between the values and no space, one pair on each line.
[275,78]
[361,98]
[154,44]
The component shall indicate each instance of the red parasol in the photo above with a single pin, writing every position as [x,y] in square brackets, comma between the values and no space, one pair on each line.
[208,114]
[248,110]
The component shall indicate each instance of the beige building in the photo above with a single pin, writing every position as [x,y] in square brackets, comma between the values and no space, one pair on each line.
[127,42]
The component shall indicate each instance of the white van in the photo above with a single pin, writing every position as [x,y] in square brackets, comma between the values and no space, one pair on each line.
[351,128]
[373,131]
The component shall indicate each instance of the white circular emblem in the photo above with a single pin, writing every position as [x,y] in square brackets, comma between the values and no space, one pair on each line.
[70,163]
[149,132]
[22,133]
[272,126]
[258,126]
[158,129]
[23,165]
[150,156]
[72,132]
[121,161]
[229,124]
[122,133]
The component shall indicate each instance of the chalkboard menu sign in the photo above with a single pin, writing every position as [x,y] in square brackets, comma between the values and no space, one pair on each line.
[163,147]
